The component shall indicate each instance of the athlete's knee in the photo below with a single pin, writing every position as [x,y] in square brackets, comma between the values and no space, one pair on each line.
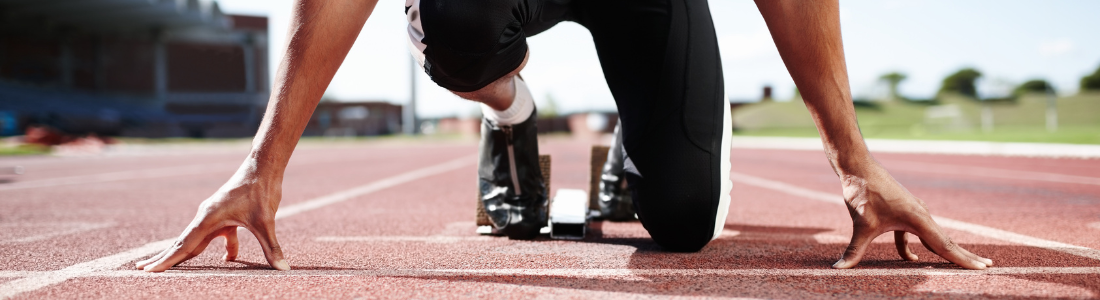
[680,219]
[497,94]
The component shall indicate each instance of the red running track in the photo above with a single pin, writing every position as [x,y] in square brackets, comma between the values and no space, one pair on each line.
[401,226]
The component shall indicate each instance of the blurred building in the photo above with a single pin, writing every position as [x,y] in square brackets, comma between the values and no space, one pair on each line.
[149,68]
[466,127]
[359,118]
[581,124]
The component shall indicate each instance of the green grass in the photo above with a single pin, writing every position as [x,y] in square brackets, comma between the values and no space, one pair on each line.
[24,150]
[1022,120]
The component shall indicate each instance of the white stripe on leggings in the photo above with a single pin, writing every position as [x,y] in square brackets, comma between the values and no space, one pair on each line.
[726,185]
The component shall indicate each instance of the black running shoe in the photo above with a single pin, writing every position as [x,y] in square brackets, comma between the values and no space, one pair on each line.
[512,188]
[615,201]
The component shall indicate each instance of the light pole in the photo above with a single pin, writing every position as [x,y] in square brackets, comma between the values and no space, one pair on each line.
[409,112]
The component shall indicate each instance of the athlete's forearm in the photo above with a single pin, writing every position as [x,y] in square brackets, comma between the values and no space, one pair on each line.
[320,35]
[807,34]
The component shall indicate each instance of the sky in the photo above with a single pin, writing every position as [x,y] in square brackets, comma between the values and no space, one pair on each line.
[1008,41]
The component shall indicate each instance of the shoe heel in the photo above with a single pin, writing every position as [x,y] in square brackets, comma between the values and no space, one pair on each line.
[481,218]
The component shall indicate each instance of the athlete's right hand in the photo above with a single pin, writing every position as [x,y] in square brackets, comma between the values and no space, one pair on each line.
[247,200]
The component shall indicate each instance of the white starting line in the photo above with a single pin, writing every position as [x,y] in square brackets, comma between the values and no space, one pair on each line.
[585,273]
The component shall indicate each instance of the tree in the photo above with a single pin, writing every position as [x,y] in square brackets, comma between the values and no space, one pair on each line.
[962,82]
[1033,86]
[550,107]
[1091,82]
[893,79]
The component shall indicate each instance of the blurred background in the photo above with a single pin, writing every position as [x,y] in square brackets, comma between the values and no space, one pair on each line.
[85,74]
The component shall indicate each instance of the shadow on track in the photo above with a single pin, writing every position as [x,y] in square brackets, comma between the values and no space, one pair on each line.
[248,265]
[796,248]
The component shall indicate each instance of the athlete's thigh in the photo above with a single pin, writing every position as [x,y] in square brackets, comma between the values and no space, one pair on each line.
[465,45]
[660,59]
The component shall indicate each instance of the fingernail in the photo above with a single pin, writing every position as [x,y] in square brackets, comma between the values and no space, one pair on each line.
[282,265]
[838,264]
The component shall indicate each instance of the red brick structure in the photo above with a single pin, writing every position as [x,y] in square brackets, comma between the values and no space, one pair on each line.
[361,118]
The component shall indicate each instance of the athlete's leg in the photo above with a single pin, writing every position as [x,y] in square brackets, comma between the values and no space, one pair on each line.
[499,94]
[614,198]
[660,58]
[476,49]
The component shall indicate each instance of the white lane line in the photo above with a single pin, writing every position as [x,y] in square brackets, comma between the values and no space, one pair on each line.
[15,287]
[944,222]
[76,227]
[372,187]
[118,176]
[9,274]
[41,280]
[924,167]
[439,239]
[786,188]
[149,173]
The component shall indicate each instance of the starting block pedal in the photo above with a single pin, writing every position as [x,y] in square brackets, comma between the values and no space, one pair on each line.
[16,170]
[569,214]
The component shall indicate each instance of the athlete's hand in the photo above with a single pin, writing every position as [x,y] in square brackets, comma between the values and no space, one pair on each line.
[877,204]
[245,201]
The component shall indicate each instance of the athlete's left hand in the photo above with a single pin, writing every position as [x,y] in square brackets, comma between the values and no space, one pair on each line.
[878,203]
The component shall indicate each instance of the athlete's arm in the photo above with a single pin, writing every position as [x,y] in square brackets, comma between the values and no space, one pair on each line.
[321,34]
[807,34]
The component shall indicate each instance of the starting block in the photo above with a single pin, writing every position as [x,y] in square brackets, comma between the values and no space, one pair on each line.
[570,209]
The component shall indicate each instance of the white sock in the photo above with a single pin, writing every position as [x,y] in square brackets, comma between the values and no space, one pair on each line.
[521,108]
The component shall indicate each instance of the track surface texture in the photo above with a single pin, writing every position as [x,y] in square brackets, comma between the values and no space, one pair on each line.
[395,219]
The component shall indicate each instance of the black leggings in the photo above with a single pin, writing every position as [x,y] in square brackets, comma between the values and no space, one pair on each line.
[660,59]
